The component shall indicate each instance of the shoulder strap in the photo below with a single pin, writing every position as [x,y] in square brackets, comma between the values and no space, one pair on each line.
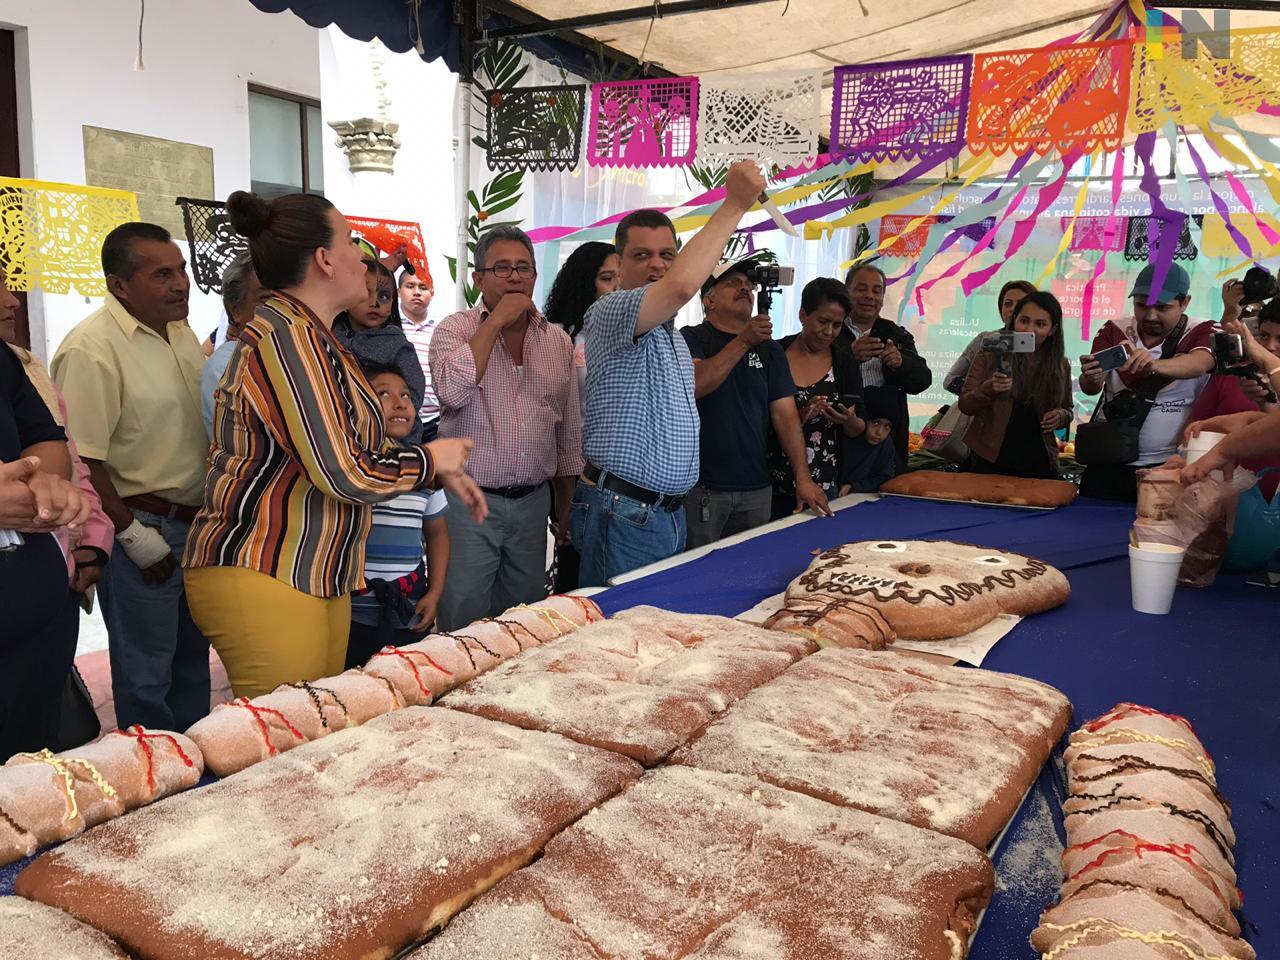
[1151,386]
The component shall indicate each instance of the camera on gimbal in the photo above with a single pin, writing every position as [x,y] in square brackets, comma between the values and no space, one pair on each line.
[1005,344]
[769,278]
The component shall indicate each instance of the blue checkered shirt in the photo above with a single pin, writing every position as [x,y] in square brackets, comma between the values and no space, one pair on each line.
[641,417]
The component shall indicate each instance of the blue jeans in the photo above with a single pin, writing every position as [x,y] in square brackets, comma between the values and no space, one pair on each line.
[615,534]
[159,658]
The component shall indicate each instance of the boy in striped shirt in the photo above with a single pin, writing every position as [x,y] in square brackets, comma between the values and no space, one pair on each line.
[398,604]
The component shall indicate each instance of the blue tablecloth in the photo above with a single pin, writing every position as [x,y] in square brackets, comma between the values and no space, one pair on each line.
[1215,659]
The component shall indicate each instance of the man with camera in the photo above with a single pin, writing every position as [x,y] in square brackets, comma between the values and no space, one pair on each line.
[1252,360]
[743,385]
[1149,379]
[886,351]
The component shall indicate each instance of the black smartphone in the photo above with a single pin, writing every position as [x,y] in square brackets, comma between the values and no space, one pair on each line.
[846,402]
[1113,358]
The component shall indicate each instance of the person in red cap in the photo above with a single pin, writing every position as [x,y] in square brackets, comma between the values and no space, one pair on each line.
[1170,357]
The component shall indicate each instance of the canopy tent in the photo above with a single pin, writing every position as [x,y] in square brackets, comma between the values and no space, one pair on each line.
[708,37]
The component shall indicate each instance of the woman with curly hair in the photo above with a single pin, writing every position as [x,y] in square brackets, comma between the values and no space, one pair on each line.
[590,272]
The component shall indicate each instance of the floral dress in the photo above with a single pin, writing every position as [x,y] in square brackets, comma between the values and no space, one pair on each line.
[821,441]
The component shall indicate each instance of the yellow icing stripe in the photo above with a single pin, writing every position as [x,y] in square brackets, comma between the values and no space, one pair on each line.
[98,779]
[548,613]
[1099,925]
[1127,735]
[68,780]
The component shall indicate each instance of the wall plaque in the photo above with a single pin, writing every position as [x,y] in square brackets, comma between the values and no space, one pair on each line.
[158,171]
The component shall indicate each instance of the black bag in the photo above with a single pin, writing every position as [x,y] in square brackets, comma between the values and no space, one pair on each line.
[1114,440]
[77,720]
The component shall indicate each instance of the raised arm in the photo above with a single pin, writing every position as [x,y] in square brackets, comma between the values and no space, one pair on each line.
[695,262]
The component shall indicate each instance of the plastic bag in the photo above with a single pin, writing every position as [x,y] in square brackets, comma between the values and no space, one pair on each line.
[1257,531]
[1201,521]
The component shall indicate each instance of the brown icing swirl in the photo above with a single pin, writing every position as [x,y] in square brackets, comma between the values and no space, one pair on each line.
[948,595]
[1204,822]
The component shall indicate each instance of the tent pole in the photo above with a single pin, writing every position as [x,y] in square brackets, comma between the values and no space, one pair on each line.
[462,177]
[467,15]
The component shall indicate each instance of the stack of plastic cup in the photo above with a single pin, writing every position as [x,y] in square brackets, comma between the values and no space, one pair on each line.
[1153,575]
[1201,444]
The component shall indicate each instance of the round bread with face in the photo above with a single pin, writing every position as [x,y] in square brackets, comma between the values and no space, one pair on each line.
[932,589]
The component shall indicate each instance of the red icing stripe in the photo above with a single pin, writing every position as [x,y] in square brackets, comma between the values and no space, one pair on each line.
[589,610]
[407,657]
[1122,710]
[142,735]
[1140,847]
[257,712]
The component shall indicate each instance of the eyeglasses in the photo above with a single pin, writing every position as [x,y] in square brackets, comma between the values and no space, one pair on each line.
[503,270]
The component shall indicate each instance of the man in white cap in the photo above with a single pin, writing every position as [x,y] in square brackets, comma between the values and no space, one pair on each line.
[1170,357]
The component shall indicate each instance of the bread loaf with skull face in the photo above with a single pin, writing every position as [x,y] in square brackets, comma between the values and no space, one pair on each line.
[920,589]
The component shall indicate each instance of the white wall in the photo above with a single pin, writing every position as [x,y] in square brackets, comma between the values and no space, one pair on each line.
[421,189]
[200,56]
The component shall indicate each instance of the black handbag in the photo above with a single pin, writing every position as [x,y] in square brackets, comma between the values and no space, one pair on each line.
[1114,439]
[78,722]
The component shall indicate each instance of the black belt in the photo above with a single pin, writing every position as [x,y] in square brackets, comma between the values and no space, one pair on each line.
[512,493]
[670,502]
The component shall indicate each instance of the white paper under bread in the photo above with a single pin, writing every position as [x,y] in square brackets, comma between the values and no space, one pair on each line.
[972,648]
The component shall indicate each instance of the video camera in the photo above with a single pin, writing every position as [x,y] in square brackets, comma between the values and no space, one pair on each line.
[769,278]
[1259,285]
[1006,343]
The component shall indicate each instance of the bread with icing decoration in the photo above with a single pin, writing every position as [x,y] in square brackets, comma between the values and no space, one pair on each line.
[922,590]
[1150,863]
[245,731]
[48,797]
[1135,908]
[440,662]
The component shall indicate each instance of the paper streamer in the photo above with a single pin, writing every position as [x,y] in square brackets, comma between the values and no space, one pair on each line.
[1117,189]
[644,123]
[51,234]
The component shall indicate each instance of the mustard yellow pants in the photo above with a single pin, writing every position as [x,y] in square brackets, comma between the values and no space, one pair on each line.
[266,632]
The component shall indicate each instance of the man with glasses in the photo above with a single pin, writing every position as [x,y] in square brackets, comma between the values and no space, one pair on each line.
[505,378]
[743,384]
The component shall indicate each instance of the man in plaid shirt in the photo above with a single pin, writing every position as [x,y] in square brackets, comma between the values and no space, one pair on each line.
[505,378]
[640,432]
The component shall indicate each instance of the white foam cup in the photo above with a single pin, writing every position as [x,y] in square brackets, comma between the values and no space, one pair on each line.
[1153,575]
[1201,444]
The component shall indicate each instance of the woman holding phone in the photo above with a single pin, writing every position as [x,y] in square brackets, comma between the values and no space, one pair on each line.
[1016,413]
[828,386]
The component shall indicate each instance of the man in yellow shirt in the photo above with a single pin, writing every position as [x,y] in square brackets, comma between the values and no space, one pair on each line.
[131,375]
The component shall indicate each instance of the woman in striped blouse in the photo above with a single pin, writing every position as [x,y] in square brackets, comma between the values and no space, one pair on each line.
[299,455]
